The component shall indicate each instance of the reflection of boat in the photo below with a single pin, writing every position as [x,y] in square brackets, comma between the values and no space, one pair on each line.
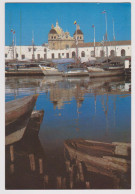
[18,112]
[49,71]
[51,80]
[109,159]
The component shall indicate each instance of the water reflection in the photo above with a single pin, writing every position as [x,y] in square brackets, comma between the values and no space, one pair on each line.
[97,109]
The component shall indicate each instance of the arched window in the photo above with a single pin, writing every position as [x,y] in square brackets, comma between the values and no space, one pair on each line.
[44,49]
[73,54]
[92,54]
[52,55]
[112,53]
[102,54]
[123,53]
[82,54]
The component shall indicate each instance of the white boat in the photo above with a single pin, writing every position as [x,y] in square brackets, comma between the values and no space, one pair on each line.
[50,71]
[76,72]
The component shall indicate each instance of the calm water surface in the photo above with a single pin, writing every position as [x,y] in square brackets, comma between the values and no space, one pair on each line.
[97,109]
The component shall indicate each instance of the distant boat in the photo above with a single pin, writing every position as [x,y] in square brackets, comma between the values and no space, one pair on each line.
[18,112]
[104,69]
[50,71]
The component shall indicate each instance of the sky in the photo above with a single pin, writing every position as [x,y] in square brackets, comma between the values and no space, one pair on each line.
[38,17]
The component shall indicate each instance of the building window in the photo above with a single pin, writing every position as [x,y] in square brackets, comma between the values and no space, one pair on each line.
[59,55]
[33,56]
[29,49]
[80,37]
[77,37]
[123,53]
[16,55]
[92,54]
[23,56]
[38,56]
[82,54]
[52,37]
[44,56]
[102,54]
[5,55]
[45,50]
[73,54]
[52,55]
[67,46]
[67,55]
[112,53]
[62,54]
[34,49]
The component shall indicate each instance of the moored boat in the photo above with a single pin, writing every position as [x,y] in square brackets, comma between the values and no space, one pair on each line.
[17,113]
[112,160]
[50,71]
[76,71]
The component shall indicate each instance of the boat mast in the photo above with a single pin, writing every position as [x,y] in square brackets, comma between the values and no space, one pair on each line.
[20,33]
[76,43]
[114,37]
[33,45]
[13,32]
[94,39]
[104,12]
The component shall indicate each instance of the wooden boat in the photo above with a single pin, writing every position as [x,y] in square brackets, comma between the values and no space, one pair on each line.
[18,112]
[112,160]
[108,67]
[30,128]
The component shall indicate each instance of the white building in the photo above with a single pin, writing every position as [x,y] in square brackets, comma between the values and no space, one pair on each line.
[117,48]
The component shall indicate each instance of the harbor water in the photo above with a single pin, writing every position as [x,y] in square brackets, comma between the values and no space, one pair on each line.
[96,109]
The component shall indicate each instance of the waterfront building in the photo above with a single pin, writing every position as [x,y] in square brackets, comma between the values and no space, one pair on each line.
[118,48]
[62,45]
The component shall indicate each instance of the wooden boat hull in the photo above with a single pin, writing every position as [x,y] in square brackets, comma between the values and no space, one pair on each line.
[17,113]
[32,127]
[108,159]
[106,73]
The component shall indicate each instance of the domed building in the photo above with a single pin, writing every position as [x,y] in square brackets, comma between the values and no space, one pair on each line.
[58,39]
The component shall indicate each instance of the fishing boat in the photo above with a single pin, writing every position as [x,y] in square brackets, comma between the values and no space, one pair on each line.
[104,69]
[50,71]
[18,112]
[112,160]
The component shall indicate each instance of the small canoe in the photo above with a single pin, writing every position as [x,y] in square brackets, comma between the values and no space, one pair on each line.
[18,112]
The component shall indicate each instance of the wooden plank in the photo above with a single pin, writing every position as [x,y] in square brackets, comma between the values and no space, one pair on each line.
[32,162]
[12,153]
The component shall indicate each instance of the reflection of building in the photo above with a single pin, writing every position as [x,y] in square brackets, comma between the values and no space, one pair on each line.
[58,39]
[59,96]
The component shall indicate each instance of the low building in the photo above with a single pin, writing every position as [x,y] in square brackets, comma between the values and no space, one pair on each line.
[117,48]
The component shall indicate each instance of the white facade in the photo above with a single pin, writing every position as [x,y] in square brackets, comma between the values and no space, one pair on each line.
[42,52]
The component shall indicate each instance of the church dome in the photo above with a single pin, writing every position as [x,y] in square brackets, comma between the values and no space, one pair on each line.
[78,32]
[52,31]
